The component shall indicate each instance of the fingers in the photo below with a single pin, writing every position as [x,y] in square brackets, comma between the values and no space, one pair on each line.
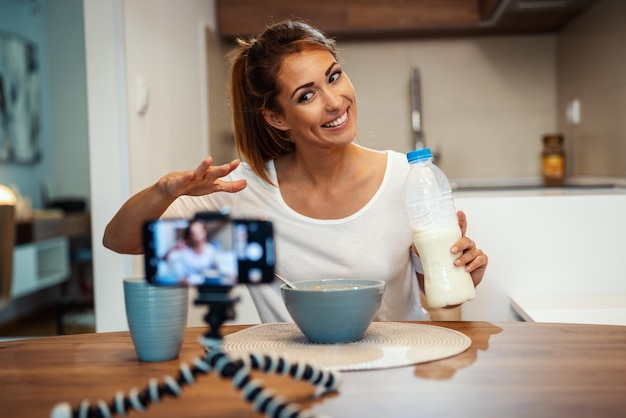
[480,261]
[462,221]
[202,180]
[203,168]
[213,175]
[462,245]
[231,186]
[207,171]
[477,268]
[471,257]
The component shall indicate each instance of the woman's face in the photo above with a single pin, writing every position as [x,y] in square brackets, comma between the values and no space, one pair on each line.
[317,99]
[197,233]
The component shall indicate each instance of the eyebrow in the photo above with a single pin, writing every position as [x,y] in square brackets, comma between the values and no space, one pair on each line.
[328,70]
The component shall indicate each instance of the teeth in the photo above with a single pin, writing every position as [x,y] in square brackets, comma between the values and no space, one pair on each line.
[337,122]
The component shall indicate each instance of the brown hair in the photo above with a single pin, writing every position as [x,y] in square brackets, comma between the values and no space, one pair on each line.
[254,86]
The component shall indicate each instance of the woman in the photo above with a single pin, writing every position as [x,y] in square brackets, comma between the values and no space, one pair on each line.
[337,207]
[190,259]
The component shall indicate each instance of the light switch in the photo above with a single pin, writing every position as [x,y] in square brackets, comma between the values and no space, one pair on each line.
[142,96]
[572,113]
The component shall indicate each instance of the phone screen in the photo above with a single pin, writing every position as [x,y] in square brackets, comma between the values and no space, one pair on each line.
[209,251]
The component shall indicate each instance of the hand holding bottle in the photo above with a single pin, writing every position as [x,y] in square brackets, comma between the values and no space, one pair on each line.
[438,233]
[472,258]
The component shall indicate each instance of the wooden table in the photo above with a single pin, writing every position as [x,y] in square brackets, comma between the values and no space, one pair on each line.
[511,370]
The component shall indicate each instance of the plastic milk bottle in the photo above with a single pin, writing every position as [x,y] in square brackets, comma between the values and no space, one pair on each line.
[435,227]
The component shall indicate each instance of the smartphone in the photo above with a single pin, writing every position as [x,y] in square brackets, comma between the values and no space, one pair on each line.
[209,250]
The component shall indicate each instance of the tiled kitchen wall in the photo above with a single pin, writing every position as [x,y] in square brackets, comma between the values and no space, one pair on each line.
[487,101]
[591,63]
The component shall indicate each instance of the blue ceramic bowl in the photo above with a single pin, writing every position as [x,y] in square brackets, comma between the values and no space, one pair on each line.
[333,310]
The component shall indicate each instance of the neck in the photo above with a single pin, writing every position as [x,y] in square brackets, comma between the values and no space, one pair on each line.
[321,167]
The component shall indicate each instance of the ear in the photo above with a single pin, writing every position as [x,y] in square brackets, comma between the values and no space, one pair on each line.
[274,119]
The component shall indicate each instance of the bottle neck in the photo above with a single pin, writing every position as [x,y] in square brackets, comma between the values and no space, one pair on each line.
[421,162]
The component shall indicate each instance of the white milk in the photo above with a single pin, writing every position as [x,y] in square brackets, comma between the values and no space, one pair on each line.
[445,283]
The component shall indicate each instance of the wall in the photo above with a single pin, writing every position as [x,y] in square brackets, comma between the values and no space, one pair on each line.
[486,101]
[57,28]
[162,42]
[591,62]
[29,20]
[108,149]
[164,45]
[68,93]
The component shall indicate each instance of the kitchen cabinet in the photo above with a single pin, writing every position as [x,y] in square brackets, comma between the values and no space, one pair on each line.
[42,260]
[42,253]
[550,243]
[72,225]
[369,19]
[40,264]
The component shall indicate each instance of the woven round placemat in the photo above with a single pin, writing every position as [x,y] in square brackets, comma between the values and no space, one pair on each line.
[384,345]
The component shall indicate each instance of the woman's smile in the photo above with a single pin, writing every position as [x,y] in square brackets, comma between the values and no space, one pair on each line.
[337,122]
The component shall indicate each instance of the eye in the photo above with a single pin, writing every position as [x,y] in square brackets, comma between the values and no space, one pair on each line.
[305,97]
[334,76]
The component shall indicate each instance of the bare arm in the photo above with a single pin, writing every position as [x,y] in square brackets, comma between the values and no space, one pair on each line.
[123,233]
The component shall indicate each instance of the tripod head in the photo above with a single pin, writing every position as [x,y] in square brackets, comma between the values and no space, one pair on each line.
[221,308]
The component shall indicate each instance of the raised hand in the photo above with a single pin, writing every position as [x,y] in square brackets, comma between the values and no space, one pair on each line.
[205,179]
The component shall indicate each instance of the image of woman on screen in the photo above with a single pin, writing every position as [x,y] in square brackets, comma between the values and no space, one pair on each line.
[193,258]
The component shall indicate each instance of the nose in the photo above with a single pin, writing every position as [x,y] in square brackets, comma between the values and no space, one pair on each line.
[332,99]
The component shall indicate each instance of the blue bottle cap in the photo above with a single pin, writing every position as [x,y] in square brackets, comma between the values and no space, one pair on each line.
[419,155]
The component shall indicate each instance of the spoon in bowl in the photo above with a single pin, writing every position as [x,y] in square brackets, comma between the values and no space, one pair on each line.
[287,282]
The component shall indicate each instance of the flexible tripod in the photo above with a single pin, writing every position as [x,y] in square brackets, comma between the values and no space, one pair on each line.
[220,309]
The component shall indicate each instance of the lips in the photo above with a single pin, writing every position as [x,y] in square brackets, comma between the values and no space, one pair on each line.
[337,122]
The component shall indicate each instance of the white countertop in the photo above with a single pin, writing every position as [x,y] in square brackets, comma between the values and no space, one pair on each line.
[607,309]
[545,192]
[512,187]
